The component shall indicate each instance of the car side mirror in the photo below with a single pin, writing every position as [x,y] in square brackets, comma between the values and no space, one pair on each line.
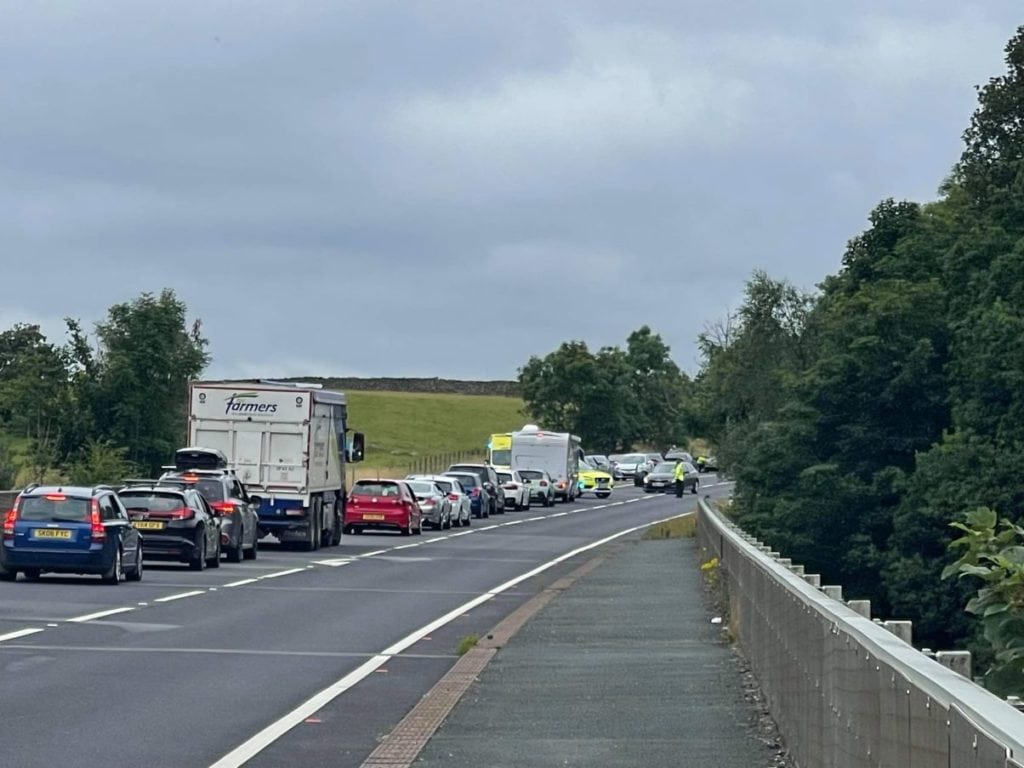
[257,500]
[357,450]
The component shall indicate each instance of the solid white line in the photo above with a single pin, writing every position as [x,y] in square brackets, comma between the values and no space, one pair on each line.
[558,514]
[375,552]
[248,750]
[515,522]
[99,615]
[283,573]
[256,744]
[180,596]
[534,519]
[454,535]
[19,633]
[241,583]
[487,528]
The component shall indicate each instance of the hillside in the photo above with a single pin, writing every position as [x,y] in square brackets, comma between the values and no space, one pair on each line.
[403,426]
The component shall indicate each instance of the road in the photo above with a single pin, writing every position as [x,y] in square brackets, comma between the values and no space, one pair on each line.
[299,659]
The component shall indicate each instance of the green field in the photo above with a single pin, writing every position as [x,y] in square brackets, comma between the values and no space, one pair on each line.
[403,426]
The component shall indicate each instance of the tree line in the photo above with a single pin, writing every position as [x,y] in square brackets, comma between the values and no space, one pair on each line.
[862,419]
[96,408]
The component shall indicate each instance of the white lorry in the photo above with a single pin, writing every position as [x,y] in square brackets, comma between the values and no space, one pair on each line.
[557,453]
[289,444]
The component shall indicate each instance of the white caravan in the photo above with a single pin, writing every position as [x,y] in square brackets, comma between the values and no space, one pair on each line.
[557,453]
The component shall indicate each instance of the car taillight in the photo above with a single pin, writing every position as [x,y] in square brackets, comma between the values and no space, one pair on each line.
[560,484]
[511,486]
[427,502]
[96,530]
[9,518]
[224,507]
[453,497]
[475,492]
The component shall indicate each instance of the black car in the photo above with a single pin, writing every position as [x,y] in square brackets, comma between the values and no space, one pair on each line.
[176,523]
[495,497]
[70,530]
[239,521]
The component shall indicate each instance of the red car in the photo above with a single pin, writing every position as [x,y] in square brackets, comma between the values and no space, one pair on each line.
[383,504]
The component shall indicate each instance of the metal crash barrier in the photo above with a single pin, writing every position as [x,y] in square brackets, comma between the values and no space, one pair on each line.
[845,691]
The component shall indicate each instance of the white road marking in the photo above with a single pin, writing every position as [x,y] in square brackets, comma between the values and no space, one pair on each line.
[289,572]
[456,535]
[558,514]
[99,615]
[20,633]
[257,743]
[487,528]
[534,519]
[334,562]
[241,583]
[180,596]
[371,554]
[515,522]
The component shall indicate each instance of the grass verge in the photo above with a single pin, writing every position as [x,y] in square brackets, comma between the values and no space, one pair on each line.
[680,528]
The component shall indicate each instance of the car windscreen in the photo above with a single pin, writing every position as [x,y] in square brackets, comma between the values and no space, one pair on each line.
[504,477]
[444,486]
[375,489]
[421,487]
[502,457]
[531,474]
[633,458]
[151,502]
[54,507]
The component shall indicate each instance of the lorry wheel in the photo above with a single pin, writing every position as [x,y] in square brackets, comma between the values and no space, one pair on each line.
[312,542]
[336,534]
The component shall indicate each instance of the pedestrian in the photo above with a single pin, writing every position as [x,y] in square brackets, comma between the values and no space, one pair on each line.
[679,474]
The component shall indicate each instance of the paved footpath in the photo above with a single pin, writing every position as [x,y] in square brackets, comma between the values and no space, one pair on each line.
[622,670]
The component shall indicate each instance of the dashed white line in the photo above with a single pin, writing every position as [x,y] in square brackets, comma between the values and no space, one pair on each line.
[20,633]
[559,514]
[488,528]
[180,596]
[289,572]
[514,522]
[99,615]
[534,519]
[241,583]
[374,553]
[456,535]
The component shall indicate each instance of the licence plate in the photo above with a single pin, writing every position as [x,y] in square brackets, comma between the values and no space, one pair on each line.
[51,533]
[373,517]
[148,525]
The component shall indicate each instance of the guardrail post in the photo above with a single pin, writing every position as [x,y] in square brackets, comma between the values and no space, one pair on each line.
[959,661]
[813,579]
[863,607]
[902,629]
[835,591]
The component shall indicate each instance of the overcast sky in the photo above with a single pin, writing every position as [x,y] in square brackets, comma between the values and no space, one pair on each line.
[445,188]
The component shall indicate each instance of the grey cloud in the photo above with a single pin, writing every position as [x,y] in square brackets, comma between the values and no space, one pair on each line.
[345,188]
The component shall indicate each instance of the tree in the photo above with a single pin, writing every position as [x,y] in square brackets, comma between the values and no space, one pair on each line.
[147,354]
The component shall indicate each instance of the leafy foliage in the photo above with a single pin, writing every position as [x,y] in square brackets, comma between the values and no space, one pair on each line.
[994,553]
[95,413]
[861,421]
[612,399]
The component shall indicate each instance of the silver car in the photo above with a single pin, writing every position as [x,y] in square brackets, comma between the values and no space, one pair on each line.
[462,512]
[634,465]
[434,504]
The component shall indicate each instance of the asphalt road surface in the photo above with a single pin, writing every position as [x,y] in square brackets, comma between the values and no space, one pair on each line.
[298,659]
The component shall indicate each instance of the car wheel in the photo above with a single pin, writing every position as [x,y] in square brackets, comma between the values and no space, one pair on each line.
[198,561]
[696,486]
[448,522]
[32,574]
[116,573]
[6,575]
[136,572]
[603,495]
[405,530]
[419,528]
[252,554]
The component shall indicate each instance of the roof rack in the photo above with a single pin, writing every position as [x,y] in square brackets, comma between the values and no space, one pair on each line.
[30,487]
[136,481]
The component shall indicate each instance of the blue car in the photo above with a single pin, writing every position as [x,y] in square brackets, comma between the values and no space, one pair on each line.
[70,530]
[474,490]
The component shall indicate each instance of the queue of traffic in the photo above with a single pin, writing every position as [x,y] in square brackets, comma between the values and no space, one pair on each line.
[270,459]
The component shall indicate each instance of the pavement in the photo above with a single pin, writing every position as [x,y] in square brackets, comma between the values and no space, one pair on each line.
[623,669]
